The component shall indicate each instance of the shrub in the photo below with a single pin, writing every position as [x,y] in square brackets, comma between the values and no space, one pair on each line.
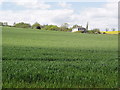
[104,32]
[94,31]
[51,27]
[36,26]
[22,25]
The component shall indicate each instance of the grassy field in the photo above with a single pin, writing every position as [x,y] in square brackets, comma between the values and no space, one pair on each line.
[52,59]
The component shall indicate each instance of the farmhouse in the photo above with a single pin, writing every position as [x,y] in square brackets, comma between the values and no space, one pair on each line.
[80,28]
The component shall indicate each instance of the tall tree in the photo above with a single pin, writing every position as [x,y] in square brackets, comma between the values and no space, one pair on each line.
[87,26]
[64,26]
[14,24]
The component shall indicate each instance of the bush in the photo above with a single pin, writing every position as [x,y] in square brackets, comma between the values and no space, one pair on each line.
[22,25]
[36,26]
[51,27]
[104,32]
[94,31]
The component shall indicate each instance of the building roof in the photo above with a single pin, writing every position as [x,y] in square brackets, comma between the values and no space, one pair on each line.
[79,27]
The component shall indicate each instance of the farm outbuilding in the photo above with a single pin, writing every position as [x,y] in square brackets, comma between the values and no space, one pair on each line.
[82,29]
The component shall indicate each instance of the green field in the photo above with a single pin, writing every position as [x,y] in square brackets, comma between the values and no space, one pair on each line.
[53,59]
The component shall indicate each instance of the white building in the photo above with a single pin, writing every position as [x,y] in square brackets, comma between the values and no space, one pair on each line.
[82,29]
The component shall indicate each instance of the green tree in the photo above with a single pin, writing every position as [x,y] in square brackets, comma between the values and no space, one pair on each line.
[74,26]
[64,27]
[22,25]
[51,27]
[5,24]
[1,23]
[36,25]
[94,31]
[43,26]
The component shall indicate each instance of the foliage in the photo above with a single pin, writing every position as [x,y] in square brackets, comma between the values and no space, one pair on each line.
[104,32]
[74,26]
[94,31]
[64,27]
[22,25]
[51,27]
[5,24]
[1,23]
[50,59]
[36,25]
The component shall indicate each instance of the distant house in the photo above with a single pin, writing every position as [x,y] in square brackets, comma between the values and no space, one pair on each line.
[82,29]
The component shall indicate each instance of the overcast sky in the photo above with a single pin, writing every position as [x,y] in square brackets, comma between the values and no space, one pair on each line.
[98,14]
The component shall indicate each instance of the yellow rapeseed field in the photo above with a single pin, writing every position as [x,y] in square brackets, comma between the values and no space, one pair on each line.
[111,32]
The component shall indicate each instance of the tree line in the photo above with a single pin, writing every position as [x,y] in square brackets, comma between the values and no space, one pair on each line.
[64,27]
[36,25]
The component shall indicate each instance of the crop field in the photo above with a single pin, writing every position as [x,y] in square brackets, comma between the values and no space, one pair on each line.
[52,59]
[111,32]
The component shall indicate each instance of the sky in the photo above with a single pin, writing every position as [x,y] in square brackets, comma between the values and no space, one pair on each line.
[98,14]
